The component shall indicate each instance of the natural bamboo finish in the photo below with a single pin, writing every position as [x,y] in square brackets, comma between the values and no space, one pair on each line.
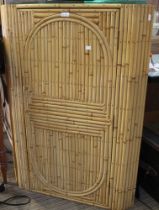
[78,82]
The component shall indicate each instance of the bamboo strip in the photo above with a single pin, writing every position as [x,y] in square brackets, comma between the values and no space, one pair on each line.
[90,73]
[122,47]
[20,103]
[86,112]
[55,171]
[96,106]
[46,63]
[56,59]
[49,53]
[94,70]
[71,62]
[14,90]
[60,31]
[39,124]
[86,67]
[115,82]
[67,54]
[70,121]
[86,11]
[77,62]
[52,60]
[133,123]
[50,6]
[49,156]
[131,119]
[98,69]
[40,72]
[63,64]
[74,60]
[36,67]
[129,68]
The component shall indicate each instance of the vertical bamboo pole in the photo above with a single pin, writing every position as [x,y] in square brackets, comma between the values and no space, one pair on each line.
[86,64]
[71,62]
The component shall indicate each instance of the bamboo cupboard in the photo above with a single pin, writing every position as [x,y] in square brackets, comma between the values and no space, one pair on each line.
[78,75]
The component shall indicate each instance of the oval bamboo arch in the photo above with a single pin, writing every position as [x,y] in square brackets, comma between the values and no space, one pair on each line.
[107,53]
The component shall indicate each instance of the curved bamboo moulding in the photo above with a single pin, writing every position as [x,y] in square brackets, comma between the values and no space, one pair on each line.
[78,82]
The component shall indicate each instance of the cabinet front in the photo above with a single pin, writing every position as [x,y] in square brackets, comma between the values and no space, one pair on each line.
[78,78]
[68,88]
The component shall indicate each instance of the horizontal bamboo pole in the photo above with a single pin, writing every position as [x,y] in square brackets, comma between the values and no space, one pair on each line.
[85,6]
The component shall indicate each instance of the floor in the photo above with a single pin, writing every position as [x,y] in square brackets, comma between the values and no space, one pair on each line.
[43,202]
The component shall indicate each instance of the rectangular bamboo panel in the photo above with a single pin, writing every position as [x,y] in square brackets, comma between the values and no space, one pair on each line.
[78,81]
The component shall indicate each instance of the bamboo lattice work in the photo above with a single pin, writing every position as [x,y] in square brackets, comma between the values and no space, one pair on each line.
[78,81]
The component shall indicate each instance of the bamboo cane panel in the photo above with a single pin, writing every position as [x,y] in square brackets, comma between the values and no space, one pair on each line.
[78,77]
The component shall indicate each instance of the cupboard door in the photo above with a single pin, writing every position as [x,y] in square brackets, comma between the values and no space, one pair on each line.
[67,94]
[65,82]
